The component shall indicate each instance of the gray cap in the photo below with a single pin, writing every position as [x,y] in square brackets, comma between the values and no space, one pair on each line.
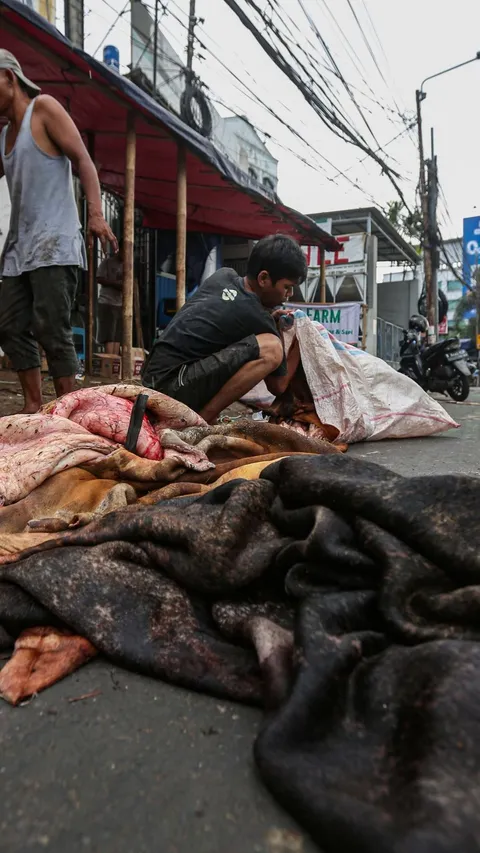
[9,63]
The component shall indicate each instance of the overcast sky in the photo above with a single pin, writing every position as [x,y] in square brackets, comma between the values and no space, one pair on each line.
[409,41]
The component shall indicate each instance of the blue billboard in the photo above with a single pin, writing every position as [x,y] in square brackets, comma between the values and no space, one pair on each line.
[471,248]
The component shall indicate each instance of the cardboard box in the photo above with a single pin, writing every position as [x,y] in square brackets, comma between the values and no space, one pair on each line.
[106,366]
[137,366]
[138,357]
[110,366]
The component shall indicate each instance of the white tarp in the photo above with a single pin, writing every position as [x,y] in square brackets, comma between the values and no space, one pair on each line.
[359,394]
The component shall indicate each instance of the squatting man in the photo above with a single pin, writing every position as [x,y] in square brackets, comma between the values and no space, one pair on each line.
[227,337]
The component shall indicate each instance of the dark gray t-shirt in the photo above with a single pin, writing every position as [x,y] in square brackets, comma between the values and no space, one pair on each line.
[220,313]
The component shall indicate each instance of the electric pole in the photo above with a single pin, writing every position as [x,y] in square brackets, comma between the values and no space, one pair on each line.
[191,39]
[428,206]
[427,228]
[432,195]
[74,17]
[155,49]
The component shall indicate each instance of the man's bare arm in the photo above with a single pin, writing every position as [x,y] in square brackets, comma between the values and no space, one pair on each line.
[64,133]
[278,384]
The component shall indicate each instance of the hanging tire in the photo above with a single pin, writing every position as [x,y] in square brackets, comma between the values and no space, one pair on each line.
[460,388]
[442,305]
[195,110]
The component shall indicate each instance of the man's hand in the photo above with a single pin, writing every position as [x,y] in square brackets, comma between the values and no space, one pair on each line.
[281,312]
[283,319]
[98,227]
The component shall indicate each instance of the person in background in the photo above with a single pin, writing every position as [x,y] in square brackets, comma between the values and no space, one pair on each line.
[44,247]
[110,281]
[227,337]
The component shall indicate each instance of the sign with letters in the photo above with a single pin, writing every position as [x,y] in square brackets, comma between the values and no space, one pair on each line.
[342,319]
[471,248]
[352,252]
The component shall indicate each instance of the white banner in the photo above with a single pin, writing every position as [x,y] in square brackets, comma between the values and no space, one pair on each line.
[342,319]
[353,251]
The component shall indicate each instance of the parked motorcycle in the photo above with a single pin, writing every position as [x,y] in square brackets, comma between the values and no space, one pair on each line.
[440,367]
[473,368]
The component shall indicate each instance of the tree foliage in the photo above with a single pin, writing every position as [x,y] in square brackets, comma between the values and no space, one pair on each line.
[408,224]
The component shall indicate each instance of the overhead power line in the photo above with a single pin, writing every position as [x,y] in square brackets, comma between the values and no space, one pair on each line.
[329,117]
[255,98]
[365,39]
[119,15]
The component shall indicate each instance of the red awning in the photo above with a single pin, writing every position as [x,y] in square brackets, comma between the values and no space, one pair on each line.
[221,198]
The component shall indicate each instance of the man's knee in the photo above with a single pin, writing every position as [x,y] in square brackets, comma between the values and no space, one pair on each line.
[42,330]
[271,350]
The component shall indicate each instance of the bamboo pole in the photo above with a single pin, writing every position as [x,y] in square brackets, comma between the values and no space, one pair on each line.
[181,224]
[323,277]
[137,314]
[90,307]
[91,246]
[128,238]
[364,326]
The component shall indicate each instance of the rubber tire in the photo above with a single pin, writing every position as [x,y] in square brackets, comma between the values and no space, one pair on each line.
[193,93]
[465,383]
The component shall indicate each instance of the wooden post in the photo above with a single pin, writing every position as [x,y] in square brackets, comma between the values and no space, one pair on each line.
[137,314]
[128,239]
[181,224]
[323,277]
[90,307]
[364,326]
[91,247]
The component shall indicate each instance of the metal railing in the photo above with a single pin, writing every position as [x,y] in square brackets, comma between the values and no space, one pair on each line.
[388,342]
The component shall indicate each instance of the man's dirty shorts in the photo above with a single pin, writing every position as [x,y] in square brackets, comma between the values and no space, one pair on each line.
[36,307]
[197,383]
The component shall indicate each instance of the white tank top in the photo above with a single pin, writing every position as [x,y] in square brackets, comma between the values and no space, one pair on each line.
[44,225]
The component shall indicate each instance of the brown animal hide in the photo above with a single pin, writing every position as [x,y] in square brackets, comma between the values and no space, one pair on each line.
[65,496]
[295,409]
[42,656]
[245,437]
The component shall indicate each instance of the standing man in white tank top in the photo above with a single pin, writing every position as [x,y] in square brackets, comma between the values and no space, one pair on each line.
[44,247]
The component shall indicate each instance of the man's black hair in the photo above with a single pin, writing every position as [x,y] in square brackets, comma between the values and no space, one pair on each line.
[280,256]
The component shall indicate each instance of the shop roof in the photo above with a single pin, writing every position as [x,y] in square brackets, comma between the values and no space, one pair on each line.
[392,246]
[221,198]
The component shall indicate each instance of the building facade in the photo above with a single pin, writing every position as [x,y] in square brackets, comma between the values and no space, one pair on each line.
[235,136]
[239,140]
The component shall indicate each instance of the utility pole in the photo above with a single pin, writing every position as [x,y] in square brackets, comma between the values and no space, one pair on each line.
[427,207]
[74,17]
[191,39]
[155,48]
[432,194]
[427,230]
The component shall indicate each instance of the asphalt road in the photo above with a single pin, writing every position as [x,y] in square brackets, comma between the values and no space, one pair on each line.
[144,766]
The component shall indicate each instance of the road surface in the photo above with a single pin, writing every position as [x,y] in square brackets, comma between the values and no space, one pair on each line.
[146,767]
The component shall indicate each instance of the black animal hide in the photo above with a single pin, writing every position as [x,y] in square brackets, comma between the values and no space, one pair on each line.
[348,595]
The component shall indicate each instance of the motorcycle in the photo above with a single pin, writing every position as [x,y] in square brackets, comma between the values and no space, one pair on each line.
[473,368]
[440,367]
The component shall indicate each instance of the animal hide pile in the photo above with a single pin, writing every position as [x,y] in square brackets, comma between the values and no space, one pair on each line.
[344,597]
[88,428]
